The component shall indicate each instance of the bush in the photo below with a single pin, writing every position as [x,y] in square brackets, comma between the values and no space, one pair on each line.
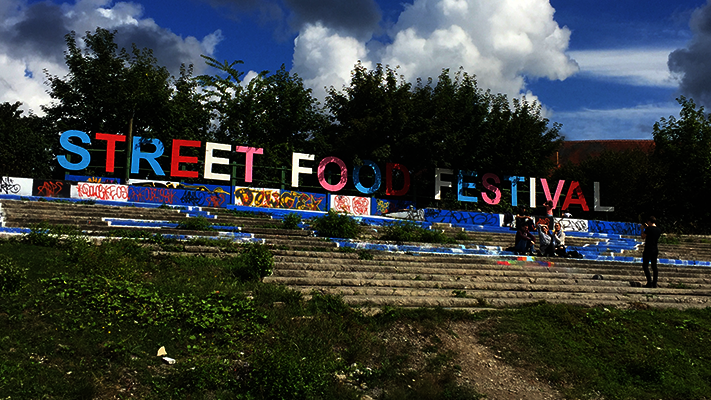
[255,262]
[196,224]
[11,276]
[291,221]
[336,225]
[408,231]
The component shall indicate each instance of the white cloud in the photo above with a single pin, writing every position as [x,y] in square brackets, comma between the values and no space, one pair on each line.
[501,42]
[620,123]
[638,67]
[32,40]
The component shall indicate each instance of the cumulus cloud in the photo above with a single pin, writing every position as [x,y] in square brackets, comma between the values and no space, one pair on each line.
[502,42]
[32,41]
[691,64]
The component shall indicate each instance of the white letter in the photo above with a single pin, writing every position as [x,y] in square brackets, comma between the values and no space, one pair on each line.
[296,169]
[209,160]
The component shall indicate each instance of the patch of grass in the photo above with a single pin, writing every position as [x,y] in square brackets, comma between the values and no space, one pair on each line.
[669,239]
[616,353]
[291,221]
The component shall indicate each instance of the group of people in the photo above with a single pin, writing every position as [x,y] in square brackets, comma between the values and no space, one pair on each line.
[551,242]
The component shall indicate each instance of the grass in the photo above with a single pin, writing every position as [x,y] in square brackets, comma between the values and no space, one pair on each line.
[82,321]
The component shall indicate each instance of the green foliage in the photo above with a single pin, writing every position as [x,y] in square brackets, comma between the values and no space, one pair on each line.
[254,263]
[198,223]
[27,144]
[408,231]
[44,234]
[291,221]
[336,225]
[12,276]
[614,353]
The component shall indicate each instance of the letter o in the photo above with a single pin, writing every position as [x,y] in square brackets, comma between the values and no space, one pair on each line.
[356,177]
[322,170]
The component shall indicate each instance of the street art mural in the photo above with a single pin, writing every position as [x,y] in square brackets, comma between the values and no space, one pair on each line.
[100,191]
[16,186]
[573,225]
[141,194]
[351,204]
[461,217]
[620,228]
[303,201]
[386,206]
[252,197]
[51,188]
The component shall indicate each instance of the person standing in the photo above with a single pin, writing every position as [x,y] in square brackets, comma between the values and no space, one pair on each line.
[650,234]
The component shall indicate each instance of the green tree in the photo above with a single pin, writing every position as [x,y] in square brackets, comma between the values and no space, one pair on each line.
[26,150]
[272,111]
[683,152]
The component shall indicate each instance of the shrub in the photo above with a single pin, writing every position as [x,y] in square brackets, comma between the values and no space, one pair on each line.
[291,221]
[11,276]
[255,262]
[336,225]
[196,224]
[408,231]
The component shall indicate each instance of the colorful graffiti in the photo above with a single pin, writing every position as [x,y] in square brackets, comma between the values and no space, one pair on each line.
[51,189]
[461,217]
[384,206]
[620,228]
[202,199]
[142,194]
[302,201]
[351,204]
[101,191]
[250,197]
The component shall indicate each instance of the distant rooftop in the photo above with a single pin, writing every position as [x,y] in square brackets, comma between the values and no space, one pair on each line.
[577,151]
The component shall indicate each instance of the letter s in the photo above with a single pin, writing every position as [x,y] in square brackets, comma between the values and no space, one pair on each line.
[72,148]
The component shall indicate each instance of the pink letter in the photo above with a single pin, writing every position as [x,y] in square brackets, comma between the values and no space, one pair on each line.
[322,170]
[249,153]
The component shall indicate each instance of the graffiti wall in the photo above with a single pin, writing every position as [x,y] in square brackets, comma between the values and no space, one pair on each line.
[51,188]
[620,228]
[99,191]
[16,186]
[573,225]
[255,197]
[92,179]
[386,206]
[351,204]
[461,217]
[303,201]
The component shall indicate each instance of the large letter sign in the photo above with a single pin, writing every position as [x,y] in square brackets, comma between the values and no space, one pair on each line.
[356,177]
[138,154]
[72,148]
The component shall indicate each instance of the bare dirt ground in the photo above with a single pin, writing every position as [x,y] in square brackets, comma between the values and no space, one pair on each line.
[481,367]
[485,371]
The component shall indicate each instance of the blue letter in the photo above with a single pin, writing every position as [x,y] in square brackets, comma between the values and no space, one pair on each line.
[461,185]
[356,178]
[72,148]
[150,157]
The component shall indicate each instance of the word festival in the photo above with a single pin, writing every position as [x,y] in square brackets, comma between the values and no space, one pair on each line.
[443,177]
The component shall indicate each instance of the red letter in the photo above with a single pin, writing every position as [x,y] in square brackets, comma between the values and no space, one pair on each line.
[110,148]
[490,187]
[176,158]
[249,153]
[389,167]
[575,188]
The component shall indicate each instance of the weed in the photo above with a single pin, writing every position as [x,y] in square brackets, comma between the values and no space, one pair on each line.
[677,285]
[669,239]
[461,235]
[12,276]
[196,224]
[365,254]
[408,231]
[459,293]
[291,221]
[254,263]
[336,225]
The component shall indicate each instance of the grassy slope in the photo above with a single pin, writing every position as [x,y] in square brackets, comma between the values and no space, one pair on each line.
[87,322]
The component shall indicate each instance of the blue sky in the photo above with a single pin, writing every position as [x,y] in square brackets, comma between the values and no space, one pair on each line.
[601,68]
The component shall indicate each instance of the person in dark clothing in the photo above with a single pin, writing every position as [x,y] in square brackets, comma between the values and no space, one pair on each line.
[650,234]
[525,241]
